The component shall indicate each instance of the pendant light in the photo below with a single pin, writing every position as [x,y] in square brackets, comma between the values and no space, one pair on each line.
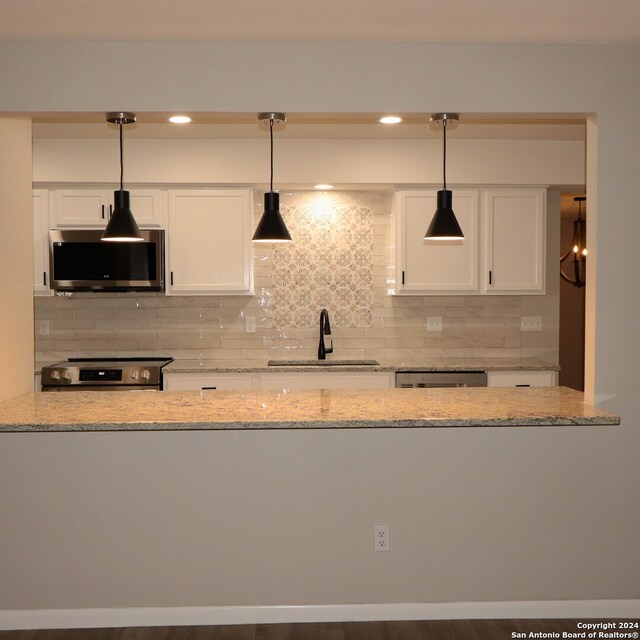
[444,225]
[122,226]
[578,248]
[271,227]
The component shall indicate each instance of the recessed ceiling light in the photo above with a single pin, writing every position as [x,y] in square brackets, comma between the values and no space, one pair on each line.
[323,187]
[180,119]
[391,120]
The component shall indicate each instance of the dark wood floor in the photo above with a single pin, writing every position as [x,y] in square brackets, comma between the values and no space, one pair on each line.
[405,630]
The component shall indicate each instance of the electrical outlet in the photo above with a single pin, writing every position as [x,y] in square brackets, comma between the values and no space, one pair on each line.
[250,325]
[434,323]
[381,537]
[531,323]
[45,329]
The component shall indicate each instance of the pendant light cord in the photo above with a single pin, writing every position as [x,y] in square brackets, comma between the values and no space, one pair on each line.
[271,135]
[444,162]
[121,161]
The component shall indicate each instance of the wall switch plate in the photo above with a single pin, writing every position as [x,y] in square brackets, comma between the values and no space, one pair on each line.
[531,323]
[381,537]
[250,325]
[434,323]
[45,329]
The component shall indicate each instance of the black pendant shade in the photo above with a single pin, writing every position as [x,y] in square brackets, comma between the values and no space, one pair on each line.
[444,225]
[271,227]
[122,226]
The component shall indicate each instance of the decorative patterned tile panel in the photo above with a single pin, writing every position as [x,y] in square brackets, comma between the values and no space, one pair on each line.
[329,264]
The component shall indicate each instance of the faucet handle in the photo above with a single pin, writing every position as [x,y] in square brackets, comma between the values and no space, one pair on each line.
[330,349]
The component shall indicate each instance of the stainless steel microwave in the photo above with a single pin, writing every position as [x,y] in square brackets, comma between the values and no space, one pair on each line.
[80,261]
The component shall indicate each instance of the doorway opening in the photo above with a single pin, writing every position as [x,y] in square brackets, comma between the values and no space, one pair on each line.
[572,301]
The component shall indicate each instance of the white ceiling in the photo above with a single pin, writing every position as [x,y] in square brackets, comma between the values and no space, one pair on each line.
[463,21]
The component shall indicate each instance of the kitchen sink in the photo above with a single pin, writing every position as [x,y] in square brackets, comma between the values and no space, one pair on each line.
[322,363]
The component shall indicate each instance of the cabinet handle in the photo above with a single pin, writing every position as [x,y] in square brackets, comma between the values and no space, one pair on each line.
[209,388]
[172,278]
[44,278]
[523,385]
[103,212]
[403,277]
[490,277]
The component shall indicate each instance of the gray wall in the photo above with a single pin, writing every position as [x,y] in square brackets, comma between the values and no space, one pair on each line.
[522,514]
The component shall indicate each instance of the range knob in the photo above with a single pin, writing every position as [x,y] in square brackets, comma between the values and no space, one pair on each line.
[146,374]
[66,376]
[55,375]
[135,374]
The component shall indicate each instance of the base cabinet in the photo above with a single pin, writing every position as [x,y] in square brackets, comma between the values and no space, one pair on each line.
[274,381]
[327,380]
[207,382]
[522,378]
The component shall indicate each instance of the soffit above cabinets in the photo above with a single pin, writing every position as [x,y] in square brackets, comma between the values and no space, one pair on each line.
[309,126]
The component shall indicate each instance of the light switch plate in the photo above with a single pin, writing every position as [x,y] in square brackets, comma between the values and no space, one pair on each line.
[531,323]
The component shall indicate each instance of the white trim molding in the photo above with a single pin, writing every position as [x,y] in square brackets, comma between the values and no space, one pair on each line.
[196,616]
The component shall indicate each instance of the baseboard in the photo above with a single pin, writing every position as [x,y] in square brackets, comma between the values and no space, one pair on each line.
[184,616]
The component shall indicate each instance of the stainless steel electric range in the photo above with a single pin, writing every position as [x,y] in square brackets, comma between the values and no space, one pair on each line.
[105,374]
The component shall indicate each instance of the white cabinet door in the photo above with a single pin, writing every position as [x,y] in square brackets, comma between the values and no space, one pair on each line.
[514,241]
[92,207]
[522,378]
[436,267]
[209,242]
[327,380]
[41,243]
[80,207]
[207,381]
[149,207]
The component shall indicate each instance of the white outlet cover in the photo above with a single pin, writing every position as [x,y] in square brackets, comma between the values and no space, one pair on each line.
[250,324]
[381,537]
[531,323]
[434,323]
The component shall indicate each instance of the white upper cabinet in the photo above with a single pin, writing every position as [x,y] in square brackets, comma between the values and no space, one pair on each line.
[149,207]
[41,243]
[514,241]
[79,208]
[92,207]
[503,251]
[436,267]
[209,242]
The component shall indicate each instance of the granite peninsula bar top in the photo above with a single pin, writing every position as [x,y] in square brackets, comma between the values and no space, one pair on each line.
[299,409]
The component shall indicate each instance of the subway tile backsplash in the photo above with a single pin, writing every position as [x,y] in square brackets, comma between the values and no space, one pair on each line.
[367,322]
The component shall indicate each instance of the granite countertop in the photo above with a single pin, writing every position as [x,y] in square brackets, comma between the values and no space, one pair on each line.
[299,409]
[260,365]
[465,364]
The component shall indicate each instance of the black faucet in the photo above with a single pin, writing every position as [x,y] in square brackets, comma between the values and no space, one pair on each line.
[325,329]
